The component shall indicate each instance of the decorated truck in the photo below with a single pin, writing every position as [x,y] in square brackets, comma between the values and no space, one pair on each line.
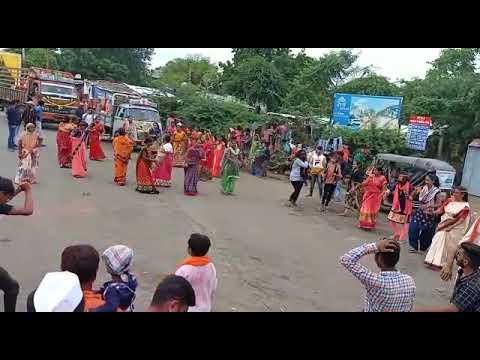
[58,92]
[56,88]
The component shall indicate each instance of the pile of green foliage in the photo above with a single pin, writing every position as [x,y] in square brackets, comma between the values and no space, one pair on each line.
[378,140]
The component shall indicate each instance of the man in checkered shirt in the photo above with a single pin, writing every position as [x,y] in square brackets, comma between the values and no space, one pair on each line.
[389,290]
[466,295]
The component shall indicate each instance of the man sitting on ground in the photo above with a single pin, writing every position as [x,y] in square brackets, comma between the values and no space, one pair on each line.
[173,294]
[466,294]
[388,291]
[8,285]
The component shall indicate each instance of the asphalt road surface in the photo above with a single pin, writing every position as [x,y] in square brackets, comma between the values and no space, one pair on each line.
[268,257]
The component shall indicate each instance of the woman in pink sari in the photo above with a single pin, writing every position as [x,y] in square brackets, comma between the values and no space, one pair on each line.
[217,158]
[374,188]
[162,175]
[79,151]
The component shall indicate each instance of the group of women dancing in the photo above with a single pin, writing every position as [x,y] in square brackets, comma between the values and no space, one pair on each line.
[202,156]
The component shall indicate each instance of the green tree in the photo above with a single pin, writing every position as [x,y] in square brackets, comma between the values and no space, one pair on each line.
[257,81]
[194,69]
[313,87]
[116,64]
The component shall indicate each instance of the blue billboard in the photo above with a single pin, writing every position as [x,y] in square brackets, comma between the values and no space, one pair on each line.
[360,111]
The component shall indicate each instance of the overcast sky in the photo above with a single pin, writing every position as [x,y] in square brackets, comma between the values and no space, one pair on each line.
[394,63]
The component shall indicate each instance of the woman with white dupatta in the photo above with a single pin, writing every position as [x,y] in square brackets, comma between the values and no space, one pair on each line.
[450,232]
[28,154]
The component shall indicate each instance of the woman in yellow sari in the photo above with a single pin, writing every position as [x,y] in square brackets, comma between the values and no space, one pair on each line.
[122,148]
[180,147]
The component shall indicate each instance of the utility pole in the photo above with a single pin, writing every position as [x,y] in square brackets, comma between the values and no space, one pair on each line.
[23,57]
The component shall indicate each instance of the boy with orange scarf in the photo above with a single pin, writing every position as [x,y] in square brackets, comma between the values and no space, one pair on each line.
[200,272]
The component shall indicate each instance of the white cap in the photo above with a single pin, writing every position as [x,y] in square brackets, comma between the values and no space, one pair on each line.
[58,292]
[179,124]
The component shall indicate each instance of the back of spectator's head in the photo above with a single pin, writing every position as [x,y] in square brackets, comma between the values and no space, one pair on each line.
[388,260]
[472,252]
[58,292]
[198,244]
[41,103]
[173,294]
[7,190]
[118,259]
[82,260]
[121,132]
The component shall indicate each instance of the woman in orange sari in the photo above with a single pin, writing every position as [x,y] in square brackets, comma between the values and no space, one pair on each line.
[79,151]
[64,144]
[96,131]
[180,145]
[217,158]
[374,188]
[145,161]
[122,149]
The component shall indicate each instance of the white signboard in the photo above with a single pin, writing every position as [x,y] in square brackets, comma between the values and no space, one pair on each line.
[446,179]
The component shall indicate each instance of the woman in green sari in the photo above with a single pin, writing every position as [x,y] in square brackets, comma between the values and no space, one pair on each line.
[231,168]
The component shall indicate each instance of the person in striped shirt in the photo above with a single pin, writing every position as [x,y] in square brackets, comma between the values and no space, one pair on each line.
[389,290]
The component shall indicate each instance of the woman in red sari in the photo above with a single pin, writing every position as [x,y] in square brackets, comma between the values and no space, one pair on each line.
[206,165]
[64,144]
[217,158]
[96,131]
[162,175]
[374,188]
[146,159]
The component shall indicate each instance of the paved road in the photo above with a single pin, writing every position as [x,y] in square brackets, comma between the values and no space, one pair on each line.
[268,257]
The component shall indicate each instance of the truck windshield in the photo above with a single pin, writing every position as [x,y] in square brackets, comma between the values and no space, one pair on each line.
[140,114]
[58,90]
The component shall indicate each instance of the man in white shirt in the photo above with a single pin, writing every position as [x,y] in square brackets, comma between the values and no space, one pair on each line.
[88,117]
[317,162]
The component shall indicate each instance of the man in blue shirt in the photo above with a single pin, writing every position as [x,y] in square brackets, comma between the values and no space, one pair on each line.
[39,118]
[13,124]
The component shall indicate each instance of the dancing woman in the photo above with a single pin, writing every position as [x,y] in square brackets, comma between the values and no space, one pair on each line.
[206,165]
[122,150]
[79,150]
[194,155]
[96,132]
[162,175]
[218,158]
[64,144]
[422,226]
[373,188]
[146,158]
[180,146]
[402,207]
[231,168]
[453,226]
[28,154]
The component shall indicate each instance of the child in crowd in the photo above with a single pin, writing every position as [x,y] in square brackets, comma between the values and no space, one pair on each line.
[200,272]
[119,293]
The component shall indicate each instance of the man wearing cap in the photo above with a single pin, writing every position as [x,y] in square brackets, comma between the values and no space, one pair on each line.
[466,294]
[173,294]
[58,292]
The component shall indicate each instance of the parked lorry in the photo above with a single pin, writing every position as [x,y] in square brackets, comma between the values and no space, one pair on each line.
[56,88]
[115,103]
